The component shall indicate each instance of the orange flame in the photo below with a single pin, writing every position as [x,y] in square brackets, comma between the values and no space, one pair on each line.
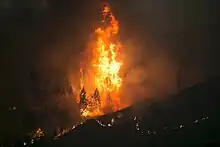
[105,55]
[106,64]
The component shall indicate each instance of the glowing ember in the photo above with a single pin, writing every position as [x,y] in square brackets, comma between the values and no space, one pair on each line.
[106,66]
[39,133]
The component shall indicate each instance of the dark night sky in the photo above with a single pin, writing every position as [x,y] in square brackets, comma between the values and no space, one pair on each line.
[46,37]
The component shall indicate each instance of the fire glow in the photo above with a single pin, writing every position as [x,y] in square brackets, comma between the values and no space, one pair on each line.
[106,65]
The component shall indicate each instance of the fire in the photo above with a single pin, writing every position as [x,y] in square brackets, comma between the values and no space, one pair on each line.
[39,133]
[105,55]
[106,65]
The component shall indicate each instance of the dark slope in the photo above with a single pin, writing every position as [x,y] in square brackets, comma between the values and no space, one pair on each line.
[190,118]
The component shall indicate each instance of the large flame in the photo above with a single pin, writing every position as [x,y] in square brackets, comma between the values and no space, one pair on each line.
[106,65]
[105,55]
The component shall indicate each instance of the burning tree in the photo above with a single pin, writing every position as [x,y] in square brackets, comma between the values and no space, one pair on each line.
[83,98]
[105,66]
[96,97]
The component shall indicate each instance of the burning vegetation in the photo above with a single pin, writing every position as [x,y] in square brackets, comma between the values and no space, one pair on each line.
[104,70]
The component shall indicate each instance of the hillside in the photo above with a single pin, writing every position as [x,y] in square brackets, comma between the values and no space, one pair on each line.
[189,118]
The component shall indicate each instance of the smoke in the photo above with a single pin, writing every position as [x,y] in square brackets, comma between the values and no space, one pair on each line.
[169,46]
[39,52]
[147,74]
[157,60]
[60,60]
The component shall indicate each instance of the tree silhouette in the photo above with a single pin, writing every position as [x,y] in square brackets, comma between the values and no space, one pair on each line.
[96,96]
[83,99]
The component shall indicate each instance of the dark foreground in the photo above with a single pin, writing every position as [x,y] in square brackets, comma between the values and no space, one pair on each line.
[191,118]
